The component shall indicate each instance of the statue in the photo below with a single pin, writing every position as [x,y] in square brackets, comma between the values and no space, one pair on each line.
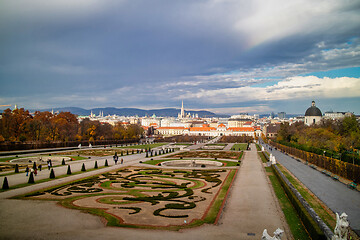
[193,164]
[273,160]
[79,145]
[277,235]
[342,227]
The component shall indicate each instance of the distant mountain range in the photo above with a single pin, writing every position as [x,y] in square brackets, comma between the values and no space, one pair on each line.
[166,112]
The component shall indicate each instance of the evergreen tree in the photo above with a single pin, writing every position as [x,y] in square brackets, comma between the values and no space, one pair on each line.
[68,170]
[34,165]
[122,154]
[16,169]
[63,162]
[5,184]
[52,173]
[83,169]
[106,163]
[31,178]
[96,165]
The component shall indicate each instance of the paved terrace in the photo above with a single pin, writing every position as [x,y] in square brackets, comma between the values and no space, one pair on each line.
[251,207]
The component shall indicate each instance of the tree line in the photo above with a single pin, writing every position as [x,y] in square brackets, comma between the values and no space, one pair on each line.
[20,125]
[333,138]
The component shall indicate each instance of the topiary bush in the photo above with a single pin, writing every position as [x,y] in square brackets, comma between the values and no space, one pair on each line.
[52,173]
[16,169]
[68,170]
[5,184]
[83,169]
[63,162]
[96,165]
[31,178]
[106,163]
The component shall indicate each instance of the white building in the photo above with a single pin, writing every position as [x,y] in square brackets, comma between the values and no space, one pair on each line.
[313,115]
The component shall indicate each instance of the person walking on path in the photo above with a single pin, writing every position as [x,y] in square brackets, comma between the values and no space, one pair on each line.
[122,160]
[40,167]
[116,158]
[49,165]
[35,171]
[27,170]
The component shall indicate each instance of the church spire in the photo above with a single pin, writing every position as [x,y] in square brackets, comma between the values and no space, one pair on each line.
[182,114]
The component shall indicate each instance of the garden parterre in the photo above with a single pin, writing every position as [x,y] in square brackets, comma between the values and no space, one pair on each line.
[147,197]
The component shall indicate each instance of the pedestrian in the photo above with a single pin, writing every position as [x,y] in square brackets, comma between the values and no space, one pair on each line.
[40,167]
[122,160]
[27,170]
[35,171]
[32,170]
[49,165]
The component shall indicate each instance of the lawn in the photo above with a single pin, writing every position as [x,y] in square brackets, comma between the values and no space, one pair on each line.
[239,147]
[6,159]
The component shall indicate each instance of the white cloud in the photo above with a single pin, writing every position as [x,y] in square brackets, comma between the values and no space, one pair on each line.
[274,20]
[292,88]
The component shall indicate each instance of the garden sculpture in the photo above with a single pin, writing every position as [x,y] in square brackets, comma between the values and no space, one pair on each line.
[342,227]
[277,235]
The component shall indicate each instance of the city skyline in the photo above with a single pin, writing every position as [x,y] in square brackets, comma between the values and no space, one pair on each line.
[226,57]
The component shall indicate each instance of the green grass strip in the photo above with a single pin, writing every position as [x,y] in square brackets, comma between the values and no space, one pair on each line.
[241,146]
[262,157]
[297,228]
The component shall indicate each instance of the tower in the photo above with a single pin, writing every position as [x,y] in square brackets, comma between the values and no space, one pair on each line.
[182,114]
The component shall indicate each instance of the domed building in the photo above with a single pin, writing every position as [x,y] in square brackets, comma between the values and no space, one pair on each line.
[313,115]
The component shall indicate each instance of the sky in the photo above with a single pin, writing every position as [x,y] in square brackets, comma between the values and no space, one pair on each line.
[225,56]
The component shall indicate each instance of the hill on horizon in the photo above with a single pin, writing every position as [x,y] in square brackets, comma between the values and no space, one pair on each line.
[165,112]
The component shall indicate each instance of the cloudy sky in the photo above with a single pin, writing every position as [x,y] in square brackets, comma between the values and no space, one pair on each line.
[226,56]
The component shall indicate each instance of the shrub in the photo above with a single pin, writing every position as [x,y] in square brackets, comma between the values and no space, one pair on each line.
[83,169]
[16,169]
[63,162]
[96,165]
[31,178]
[106,163]
[5,184]
[68,170]
[52,173]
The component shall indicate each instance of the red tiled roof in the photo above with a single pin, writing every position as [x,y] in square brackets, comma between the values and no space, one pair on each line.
[221,125]
[204,129]
[241,129]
